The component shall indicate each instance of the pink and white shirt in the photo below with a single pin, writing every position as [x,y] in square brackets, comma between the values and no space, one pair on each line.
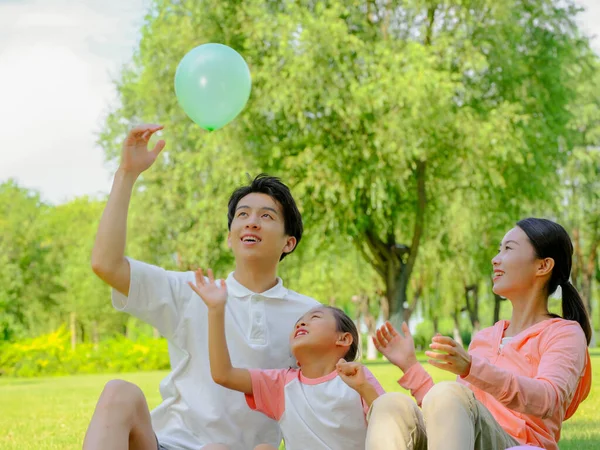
[316,413]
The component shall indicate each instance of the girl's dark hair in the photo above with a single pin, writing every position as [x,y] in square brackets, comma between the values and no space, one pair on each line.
[346,325]
[274,188]
[550,240]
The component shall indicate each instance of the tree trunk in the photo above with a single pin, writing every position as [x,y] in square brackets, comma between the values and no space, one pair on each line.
[394,262]
[589,271]
[418,293]
[584,268]
[472,305]
[588,287]
[475,320]
[597,281]
[396,294]
[400,268]
[95,338]
[584,271]
[73,328]
[363,313]
[371,349]
[456,330]
[577,257]
[586,292]
[384,305]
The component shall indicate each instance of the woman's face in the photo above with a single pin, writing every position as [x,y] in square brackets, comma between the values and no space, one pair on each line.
[515,266]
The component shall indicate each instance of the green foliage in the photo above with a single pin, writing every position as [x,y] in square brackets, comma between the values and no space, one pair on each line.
[377,114]
[51,354]
[413,135]
[27,277]
[72,228]
[424,332]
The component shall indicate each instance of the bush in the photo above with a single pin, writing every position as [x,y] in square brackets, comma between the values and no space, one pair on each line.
[51,354]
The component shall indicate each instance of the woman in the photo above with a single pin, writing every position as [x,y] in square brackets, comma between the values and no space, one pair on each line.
[520,378]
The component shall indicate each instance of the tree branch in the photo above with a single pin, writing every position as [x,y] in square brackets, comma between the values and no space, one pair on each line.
[377,264]
[419,221]
[430,19]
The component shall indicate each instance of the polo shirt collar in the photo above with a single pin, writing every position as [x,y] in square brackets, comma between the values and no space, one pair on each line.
[237,289]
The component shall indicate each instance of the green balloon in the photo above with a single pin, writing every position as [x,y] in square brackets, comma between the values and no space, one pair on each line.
[212,85]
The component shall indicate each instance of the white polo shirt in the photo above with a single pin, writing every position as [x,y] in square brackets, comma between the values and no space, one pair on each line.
[195,410]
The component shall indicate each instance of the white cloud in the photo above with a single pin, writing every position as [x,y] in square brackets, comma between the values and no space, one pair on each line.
[589,21]
[56,63]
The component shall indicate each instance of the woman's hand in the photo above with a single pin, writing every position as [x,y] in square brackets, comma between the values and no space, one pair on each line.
[449,355]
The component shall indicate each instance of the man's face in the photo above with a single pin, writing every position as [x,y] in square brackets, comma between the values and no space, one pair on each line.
[258,229]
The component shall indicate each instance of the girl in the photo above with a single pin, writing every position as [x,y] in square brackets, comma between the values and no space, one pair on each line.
[520,378]
[323,404]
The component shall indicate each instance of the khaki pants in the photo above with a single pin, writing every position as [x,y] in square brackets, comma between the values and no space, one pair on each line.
[451,419]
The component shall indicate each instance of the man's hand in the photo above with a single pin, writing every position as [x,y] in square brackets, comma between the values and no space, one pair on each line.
[136,158]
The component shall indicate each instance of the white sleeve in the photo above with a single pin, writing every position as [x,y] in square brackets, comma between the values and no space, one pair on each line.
[156,296]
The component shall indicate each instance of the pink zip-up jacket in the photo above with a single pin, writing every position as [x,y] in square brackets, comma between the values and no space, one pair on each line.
[531,385]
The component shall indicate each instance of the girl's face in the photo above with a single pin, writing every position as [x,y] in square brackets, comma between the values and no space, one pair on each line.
[317,330]
[515,266]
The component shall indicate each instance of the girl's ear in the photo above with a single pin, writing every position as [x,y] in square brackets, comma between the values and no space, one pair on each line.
[344,340]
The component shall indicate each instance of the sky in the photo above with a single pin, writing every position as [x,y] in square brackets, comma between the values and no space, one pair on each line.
[58,63]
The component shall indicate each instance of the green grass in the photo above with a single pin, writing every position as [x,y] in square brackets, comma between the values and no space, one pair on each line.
[53,413]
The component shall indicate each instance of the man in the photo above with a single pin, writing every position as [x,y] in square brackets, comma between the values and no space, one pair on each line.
[264,226]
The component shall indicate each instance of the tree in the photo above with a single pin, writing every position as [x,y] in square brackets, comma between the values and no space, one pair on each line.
[84,300]
[379,115]
[331,271]
[27,283]
[376,113]
[581,176]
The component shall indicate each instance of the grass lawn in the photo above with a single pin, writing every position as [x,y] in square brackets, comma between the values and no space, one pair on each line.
[53,413]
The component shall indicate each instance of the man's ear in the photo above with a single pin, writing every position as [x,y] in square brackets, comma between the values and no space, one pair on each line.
[290,245]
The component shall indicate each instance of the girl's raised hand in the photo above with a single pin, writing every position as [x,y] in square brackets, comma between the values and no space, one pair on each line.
[398,349]
[214,295]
